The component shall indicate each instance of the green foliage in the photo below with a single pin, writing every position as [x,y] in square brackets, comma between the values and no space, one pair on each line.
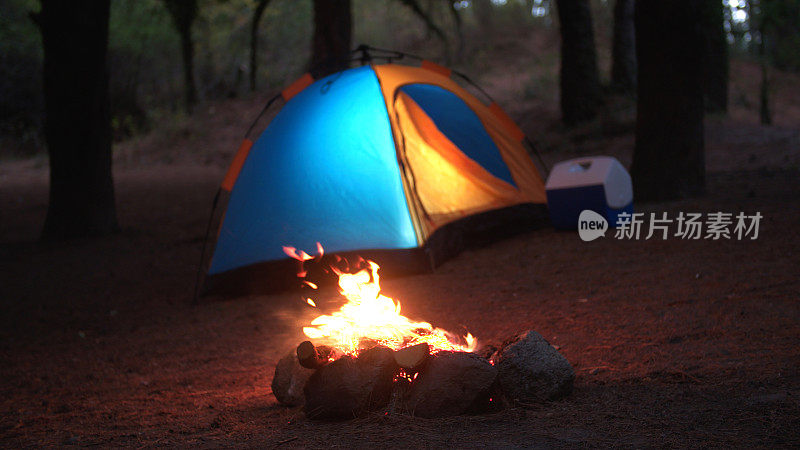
[781,26]
[778,21]
[144,57]
[18,33]
[393,24]
[384,23]
[21,103]
[182,12]
[284,41]
[140,26]
[144,63]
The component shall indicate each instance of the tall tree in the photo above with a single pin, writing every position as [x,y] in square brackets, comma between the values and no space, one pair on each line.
[668,159]
[763,106]
[623,52]
[330,46]
[183,14]
[715,45]
[580,82]
[77,118]
[760,20]
[258,12]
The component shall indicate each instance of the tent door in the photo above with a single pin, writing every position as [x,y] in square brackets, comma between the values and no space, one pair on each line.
[448,184]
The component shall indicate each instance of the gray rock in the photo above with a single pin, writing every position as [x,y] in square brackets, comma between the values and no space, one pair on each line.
[452,383]
[350,387]
[289,380]
[531,370]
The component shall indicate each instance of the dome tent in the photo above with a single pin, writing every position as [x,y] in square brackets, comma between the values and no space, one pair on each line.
[395,163]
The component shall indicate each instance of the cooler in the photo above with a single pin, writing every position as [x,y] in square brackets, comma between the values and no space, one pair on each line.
[599,183]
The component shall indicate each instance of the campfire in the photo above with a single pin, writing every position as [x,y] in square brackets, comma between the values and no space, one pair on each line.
[367,356]
[371,318]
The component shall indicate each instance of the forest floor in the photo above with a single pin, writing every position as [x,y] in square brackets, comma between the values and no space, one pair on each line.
[676,343]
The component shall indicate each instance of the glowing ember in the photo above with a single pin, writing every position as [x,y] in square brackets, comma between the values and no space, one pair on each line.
[373,318]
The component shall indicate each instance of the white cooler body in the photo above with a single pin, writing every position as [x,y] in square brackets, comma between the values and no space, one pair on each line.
[598,183]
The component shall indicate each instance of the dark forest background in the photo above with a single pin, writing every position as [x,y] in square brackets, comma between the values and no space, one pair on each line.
[148,84]
[78,76]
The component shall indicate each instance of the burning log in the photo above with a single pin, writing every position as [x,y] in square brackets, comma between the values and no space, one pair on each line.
[452,383]
[351,327]
[531,370]
[492,350]
[312,357]
[411,358]
[349,387]
[289,380]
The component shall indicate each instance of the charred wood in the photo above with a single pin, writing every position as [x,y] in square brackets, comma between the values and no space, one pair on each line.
[314,357]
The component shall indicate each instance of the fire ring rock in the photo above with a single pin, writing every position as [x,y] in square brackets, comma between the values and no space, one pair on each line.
[349,387]
[452,383]
[289,380]
[531,370]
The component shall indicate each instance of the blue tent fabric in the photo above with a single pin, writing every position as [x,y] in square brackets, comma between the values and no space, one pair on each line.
[325,170]
[460,124]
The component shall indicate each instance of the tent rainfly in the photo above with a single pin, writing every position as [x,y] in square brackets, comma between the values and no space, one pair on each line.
[399,164]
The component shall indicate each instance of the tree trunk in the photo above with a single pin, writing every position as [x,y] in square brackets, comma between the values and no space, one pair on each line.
[763,109]
[715,45]
[183,14]
[77,111]
[187,53]
[330,47]
[669,160]
[257,13]
[623,53]
[760,23]
[580,83]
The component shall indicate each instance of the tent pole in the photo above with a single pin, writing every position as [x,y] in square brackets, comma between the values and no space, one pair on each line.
[196,298]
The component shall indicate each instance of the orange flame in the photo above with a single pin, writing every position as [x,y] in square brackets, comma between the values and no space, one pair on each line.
[371,318]
[302,257]
[292,252]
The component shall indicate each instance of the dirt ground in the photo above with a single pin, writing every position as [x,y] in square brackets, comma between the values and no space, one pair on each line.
[675,343]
